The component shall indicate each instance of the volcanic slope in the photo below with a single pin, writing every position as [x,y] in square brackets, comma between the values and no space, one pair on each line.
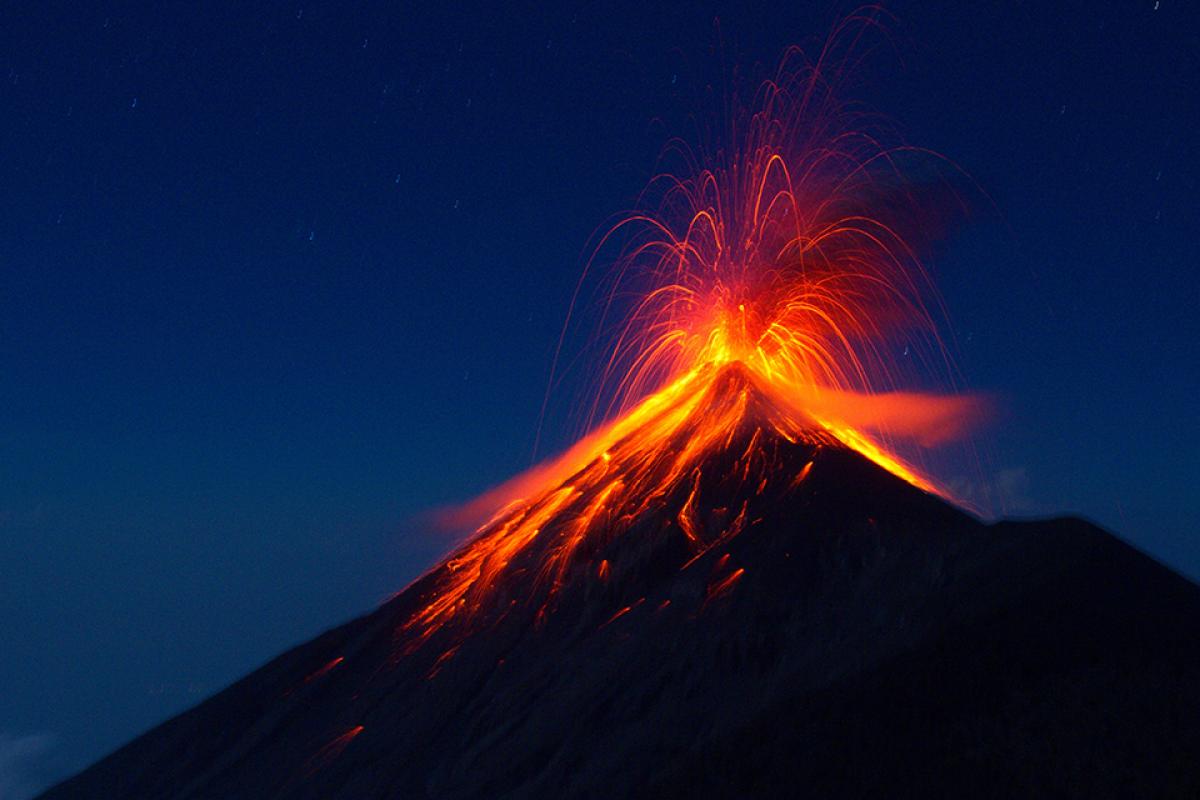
[746,609]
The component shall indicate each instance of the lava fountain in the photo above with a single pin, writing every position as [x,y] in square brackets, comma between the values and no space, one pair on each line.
[765,295]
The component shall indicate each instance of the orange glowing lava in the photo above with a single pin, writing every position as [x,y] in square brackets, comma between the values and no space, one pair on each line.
[774,297]
[329,752]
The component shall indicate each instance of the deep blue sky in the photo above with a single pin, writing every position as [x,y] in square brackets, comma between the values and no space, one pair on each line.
[276,277]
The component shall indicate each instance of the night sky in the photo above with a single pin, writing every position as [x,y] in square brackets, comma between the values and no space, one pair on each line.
[276,278]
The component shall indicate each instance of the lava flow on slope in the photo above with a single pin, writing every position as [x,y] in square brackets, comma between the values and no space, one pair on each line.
[707,455]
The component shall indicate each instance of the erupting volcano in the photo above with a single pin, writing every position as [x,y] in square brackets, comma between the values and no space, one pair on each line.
[739,583]
[769,303]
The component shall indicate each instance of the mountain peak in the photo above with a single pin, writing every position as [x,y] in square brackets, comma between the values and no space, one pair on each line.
[718,598]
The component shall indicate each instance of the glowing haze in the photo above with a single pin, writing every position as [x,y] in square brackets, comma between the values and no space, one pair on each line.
[769,286]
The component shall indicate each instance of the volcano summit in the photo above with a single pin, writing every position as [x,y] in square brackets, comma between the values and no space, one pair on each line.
[751,609]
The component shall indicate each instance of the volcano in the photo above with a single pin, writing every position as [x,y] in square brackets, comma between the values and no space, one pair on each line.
[721,597]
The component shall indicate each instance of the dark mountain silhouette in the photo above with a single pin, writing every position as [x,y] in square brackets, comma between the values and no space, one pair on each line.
[784,619]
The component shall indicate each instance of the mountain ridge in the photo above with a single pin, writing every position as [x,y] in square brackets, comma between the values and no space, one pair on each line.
[757,613]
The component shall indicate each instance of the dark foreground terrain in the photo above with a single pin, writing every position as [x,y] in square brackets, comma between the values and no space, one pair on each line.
[879,643]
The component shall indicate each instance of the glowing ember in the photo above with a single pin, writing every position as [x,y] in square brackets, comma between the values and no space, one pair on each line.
[772,300]
[328,753]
